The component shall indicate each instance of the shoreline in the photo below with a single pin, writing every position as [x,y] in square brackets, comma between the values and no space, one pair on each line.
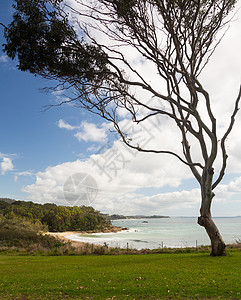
[77,244]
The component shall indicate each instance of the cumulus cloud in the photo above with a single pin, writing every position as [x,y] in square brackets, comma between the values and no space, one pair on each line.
[6,165]
[123,190]
[91,132]
[119,172]
[65,125]
[234,186]
[123,175]
[86,131]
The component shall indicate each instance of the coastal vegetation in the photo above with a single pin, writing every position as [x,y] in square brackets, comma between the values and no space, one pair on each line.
[18,235]
[56,218]
[23,226]
[165,276]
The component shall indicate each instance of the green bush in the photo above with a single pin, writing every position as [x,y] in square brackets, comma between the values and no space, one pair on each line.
[57,218]
[25,235]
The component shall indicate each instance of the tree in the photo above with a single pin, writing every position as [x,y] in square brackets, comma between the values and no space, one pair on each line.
[175,37]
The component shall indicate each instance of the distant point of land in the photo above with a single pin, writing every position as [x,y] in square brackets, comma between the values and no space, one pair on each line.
[120,217]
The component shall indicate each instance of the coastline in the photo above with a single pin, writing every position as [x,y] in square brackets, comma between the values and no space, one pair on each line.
[78,244]
[169,233]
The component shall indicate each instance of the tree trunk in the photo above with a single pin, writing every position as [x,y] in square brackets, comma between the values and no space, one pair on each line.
[218,245]
[205,220]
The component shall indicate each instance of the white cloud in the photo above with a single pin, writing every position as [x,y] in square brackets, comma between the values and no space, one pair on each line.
[23,173]
[90,132]
[94,148]
[65,125]
[86,131]
[119,172]
[6,165]
[234,186]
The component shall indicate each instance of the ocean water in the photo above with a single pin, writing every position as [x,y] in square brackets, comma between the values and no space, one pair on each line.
[164,232]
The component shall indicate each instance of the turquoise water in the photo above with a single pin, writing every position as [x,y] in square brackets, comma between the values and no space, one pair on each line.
[163,232]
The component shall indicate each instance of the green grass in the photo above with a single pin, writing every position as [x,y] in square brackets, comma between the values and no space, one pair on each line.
[152,276]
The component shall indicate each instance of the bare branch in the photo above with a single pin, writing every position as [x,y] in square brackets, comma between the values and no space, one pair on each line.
[224,153]
[125,140]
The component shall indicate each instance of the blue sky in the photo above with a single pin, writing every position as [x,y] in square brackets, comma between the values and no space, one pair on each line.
[42,150]
[29,134]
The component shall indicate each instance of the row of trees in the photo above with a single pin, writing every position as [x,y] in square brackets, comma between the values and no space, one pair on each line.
[57,218]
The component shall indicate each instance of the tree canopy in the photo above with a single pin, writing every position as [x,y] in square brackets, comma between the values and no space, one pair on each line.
[56,218]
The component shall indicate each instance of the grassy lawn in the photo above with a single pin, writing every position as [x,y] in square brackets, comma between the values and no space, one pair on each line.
[153,276]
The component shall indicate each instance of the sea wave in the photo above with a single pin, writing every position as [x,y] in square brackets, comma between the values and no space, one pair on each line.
[121,231]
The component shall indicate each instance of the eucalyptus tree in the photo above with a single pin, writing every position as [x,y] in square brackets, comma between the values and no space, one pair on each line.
[85,46]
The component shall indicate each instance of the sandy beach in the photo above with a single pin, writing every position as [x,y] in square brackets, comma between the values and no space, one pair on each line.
[62,236]
[77,244]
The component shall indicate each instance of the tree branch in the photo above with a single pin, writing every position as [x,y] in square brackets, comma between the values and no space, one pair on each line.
[224,153]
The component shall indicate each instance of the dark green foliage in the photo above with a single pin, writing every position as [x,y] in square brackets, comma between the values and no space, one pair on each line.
[57,218]
[45,44]
[43,37]
[22,226]
[124,8]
